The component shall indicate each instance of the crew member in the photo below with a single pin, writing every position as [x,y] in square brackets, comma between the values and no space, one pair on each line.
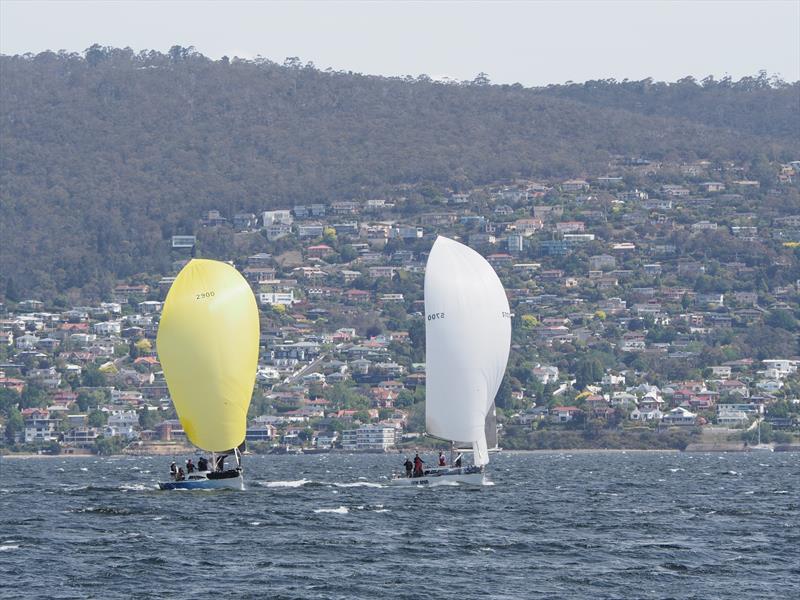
[418,462]
[202,464]
[409,467]
[173,471]
[189,466]
[442,459]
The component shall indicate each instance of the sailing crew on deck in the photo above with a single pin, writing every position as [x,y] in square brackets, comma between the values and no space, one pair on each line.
[173,471]
[189,466]
[458,461]
[442,459]
[180,476]
[202,464]
[220,466]
[409,466]
[418,462]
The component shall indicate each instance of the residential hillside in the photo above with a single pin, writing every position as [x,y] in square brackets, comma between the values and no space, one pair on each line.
[107,155]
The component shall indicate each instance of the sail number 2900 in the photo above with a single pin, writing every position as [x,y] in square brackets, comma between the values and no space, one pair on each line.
[434,316]
[204,295]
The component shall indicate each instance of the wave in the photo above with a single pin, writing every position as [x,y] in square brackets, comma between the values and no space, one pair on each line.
[283,484]
[9,547]
[342,510]
[298,483]
[136,487]
[358,484]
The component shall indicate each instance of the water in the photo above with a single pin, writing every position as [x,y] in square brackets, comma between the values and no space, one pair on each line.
[553,525]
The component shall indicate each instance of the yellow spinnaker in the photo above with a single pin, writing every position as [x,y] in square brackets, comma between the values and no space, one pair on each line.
[208,347]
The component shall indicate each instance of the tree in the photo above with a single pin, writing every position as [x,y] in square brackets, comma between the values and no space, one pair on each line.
[97,418]
[148,419]
[14,425]
[93,377]
[588,370]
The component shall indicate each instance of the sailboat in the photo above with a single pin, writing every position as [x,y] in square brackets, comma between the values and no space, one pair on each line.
[467,341]
[207,344]
[759,447]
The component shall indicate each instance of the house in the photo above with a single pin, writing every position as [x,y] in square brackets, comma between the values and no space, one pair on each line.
[319,251]
[357,296]
[310,230]
[277,217]
[574,185]
[564,414]
[244,221]
[277,231]
[644,414]
[38,426]
[602,262]
[727,415]
[260,431]
[212,218]
[369,437]
[679,416]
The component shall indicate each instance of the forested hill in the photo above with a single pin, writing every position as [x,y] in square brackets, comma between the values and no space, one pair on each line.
[107,154]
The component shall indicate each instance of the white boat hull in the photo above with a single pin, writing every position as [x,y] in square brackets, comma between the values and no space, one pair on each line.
[761,448]
[434,477]
[200,481]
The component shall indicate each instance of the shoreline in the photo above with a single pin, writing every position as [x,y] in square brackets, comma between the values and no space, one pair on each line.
[393,452]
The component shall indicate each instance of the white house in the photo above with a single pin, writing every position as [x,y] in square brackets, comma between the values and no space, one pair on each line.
[679,416]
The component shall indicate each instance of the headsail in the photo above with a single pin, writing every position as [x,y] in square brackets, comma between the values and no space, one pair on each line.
[467,341]
[208,347]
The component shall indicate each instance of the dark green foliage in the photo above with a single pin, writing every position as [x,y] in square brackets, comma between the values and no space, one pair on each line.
[107,155]
[97,418]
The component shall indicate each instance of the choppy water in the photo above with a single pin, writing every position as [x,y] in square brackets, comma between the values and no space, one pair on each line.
[560,525]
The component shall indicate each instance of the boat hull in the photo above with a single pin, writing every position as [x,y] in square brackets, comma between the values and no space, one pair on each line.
[435,477]
[201,482]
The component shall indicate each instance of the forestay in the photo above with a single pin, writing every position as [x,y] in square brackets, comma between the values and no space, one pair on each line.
[467,338]
[208,347]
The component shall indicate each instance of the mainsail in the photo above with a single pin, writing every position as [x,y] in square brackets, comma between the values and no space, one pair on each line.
[467,341]
[208,347]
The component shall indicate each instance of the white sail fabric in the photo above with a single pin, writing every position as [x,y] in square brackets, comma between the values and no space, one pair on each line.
[467,340]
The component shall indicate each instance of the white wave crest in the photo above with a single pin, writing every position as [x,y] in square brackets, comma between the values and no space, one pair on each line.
[136,487]
[342,510]
[358,484]
[9,547]
[285,484]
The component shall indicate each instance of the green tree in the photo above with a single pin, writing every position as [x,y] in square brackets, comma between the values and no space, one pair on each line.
[97,418]
[588,370]
[14,425]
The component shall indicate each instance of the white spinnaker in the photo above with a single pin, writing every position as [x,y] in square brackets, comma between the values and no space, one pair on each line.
[467,340]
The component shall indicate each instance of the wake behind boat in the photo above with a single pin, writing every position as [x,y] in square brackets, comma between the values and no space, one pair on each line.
[467,342]
[208,347]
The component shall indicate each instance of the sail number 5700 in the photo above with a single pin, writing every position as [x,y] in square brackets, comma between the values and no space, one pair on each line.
[204,295]
[434,316]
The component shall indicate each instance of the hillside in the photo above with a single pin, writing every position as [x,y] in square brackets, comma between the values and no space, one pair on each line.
[104,156]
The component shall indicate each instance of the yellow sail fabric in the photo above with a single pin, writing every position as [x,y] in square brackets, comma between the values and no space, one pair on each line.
[208,347]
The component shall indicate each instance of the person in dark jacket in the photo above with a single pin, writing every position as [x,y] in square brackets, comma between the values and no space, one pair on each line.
[189,466]
[409,467]
[173,471]
[418,468]
[202,464]
[180,476]
[220,466]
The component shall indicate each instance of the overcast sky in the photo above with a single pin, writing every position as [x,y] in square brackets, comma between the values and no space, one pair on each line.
[533,43]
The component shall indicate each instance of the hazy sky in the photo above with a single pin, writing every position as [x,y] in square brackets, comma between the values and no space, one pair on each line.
[533,43]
